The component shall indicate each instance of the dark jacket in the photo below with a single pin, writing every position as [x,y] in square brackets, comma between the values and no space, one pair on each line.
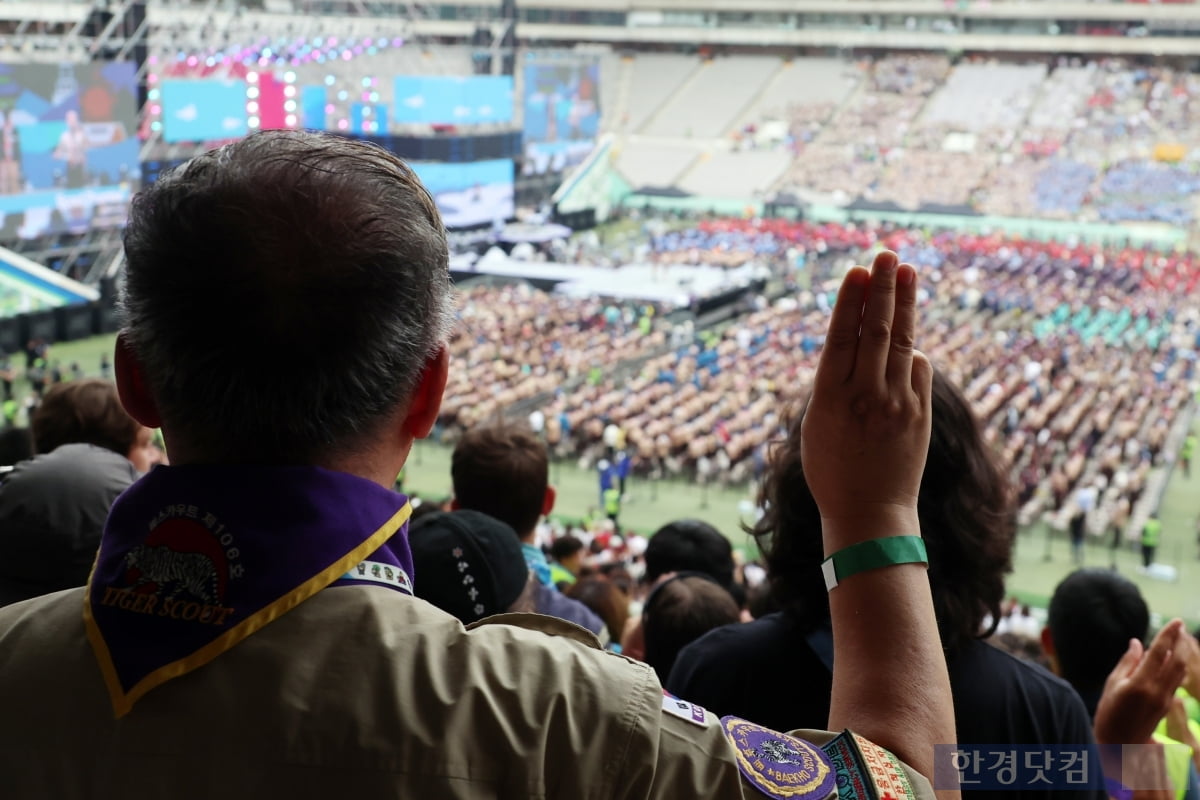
[768,671]
[52,511]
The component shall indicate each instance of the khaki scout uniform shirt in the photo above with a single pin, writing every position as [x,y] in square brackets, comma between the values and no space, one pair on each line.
[360,692]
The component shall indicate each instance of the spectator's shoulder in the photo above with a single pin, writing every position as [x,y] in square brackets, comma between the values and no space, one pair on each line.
[540,644]
[551,602]
[745,642]
[548,625]
[994,671]
[60,611]
[1035,676]
[47,628]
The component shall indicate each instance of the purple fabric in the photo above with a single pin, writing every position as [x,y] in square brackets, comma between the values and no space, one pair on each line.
[778,765]
[190,552]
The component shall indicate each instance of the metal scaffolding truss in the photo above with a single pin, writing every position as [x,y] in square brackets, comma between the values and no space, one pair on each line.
[67,30]
[58,31]
[85,257]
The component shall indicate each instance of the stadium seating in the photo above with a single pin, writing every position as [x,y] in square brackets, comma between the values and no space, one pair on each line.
[922,178]
[1008,139]
[803,90]
[1150,192]
[1061,98]
[654,78]
[713,98]
[1062,186]
[615,73]
[654,165]
[856,144]
[982,97]
[735,174]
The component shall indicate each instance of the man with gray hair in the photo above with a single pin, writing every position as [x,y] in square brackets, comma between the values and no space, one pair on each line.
[249,628]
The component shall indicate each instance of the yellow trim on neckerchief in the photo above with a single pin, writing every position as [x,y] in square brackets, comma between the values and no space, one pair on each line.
[122,702]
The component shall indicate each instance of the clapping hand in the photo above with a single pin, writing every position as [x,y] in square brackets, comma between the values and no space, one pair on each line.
[1140,688]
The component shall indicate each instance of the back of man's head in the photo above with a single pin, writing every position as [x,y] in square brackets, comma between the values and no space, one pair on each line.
[283,295]
[678,612]
[52,512]
[85,411]
[1093,615]
[691,545]
[565,548]
[503,471]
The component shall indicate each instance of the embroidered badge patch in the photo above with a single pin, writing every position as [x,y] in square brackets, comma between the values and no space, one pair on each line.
[866,771]
[778,765]
[181,571]
[886,770]
[380,572]
[683,709]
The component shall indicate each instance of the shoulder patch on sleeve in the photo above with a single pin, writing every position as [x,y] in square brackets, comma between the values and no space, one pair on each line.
[780,766]
[866,771]
[683,709]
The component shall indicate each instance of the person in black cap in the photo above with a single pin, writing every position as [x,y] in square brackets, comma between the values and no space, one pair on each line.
[469,565]
[504,472]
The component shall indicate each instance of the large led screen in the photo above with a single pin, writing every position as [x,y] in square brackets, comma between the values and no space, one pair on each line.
[203,110]
[68,146]
[443,100]
[562,113]
[470,194]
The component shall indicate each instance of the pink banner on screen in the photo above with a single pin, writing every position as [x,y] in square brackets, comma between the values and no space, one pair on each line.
[270,102]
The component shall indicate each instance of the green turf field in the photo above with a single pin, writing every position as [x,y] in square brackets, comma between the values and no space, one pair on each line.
[650,505]
[85,352]
[1033,579]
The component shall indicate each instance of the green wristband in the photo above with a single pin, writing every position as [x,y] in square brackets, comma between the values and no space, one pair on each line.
[872,554]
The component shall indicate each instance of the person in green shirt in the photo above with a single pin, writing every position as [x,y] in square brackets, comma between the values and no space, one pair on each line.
[1185,454]
[567,554]
[1150,534]
[612,504]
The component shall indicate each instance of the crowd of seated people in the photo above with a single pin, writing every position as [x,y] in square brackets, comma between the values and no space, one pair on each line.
[514,342]
[1093,152]
[1104,140]
[857,141]
[713,246]
[715,629]
[1073,355]
[887,531]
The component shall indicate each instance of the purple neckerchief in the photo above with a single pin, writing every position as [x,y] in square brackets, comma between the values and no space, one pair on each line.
[194,559]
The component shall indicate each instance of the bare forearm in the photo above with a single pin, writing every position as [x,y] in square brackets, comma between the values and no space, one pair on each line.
[890,681]
[864,440]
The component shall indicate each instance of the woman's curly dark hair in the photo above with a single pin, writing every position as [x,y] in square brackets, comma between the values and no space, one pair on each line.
[967,512]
